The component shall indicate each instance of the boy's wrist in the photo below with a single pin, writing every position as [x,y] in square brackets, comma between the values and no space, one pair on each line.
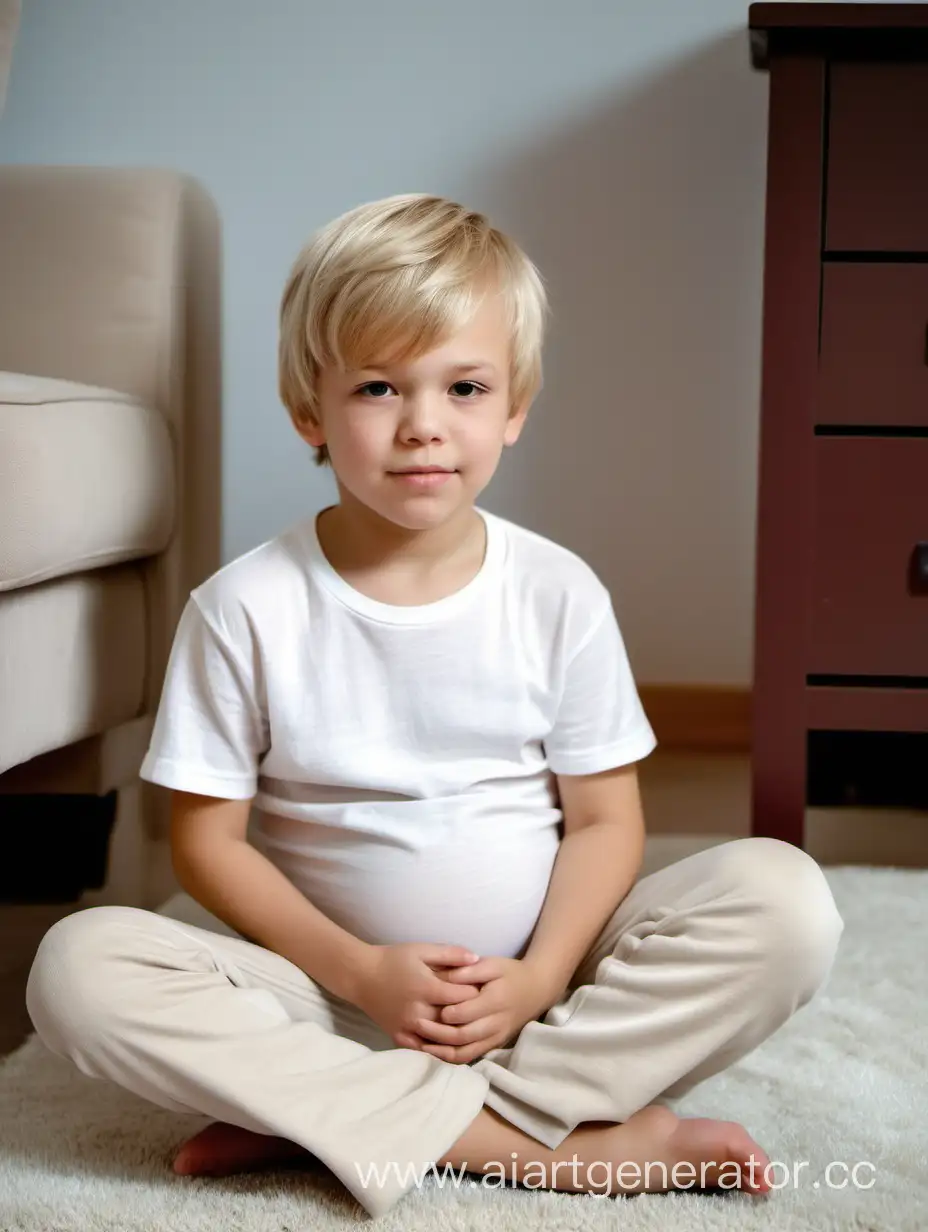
[551,987]
[354,971]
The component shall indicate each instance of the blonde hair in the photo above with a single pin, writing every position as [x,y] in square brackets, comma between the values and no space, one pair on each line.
[393,279]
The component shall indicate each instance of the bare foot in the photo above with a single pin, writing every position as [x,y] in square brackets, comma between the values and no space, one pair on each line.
[662,1151]
[722,1154]
[653,1151]
[222,1149]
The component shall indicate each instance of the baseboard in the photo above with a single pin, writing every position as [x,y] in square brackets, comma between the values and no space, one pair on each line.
[699,717]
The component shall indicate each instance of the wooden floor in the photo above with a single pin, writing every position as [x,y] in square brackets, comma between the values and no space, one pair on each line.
[690,800]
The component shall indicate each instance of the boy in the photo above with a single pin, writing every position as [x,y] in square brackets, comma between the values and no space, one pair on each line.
[437,949]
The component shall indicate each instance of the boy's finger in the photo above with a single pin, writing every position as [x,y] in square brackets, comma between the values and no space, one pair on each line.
[442,1051]
[472,1052]
[441,992]
[441,1033]
[450,956]
[476,973]
[461,1054]
[406,1039]
[463,1012]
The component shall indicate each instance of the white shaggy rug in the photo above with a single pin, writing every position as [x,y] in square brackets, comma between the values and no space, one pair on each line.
[844,1083]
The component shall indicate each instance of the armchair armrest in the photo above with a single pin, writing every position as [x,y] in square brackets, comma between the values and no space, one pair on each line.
[111,278]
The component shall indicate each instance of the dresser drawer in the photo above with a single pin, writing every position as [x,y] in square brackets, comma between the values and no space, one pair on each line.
[852,708]
[869,614]
[873,361]
[877,173]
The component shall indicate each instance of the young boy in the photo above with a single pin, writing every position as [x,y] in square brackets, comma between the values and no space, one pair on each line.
[436,948]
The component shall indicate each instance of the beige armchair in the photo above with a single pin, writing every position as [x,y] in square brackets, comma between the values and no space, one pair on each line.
[109,501]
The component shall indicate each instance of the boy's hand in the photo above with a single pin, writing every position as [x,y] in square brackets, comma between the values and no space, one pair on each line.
[512,994]
[402,983]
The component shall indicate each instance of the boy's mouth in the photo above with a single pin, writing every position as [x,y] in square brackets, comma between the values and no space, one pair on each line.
[423,478]
[424,470]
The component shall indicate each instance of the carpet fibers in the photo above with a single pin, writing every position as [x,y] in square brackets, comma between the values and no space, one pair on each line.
[843,1086]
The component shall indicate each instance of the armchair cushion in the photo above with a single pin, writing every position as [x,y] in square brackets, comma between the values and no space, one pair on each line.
[86,479]
[72,660]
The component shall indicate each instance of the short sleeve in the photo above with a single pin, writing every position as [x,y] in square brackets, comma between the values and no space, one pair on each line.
[210,733]
[600,722]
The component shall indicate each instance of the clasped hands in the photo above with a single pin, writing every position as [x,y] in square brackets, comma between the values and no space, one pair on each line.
[436,999]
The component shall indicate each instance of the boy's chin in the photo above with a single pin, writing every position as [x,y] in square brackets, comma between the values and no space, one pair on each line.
[423,518]
[420,511]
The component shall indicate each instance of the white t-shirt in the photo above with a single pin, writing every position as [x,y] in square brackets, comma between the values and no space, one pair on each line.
[402,760]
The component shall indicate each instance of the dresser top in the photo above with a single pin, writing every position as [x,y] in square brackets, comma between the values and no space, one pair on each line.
[869,31]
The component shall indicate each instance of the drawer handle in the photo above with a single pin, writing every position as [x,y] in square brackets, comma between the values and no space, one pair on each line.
[919,577]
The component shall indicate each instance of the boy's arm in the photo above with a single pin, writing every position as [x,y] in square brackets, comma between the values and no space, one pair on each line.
[599,735]
[217,866]
[598,861]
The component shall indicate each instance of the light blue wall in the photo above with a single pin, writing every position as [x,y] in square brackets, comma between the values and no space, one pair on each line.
[622,141]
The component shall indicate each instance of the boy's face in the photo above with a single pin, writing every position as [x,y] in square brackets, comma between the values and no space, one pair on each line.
[449,408]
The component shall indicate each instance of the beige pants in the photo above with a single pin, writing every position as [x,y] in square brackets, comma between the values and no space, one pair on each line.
[699,964]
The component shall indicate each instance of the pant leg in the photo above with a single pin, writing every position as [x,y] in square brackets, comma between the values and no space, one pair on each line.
[702,961]
[212,1024]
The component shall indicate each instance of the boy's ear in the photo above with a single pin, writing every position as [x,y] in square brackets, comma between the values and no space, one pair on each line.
[516,422]
[309,429]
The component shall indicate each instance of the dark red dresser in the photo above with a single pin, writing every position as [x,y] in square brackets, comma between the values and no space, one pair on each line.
[841,617]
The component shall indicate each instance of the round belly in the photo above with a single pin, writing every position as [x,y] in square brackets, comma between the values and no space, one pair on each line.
[483,890]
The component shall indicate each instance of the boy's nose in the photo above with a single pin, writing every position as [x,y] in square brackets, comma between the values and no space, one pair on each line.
[422,421]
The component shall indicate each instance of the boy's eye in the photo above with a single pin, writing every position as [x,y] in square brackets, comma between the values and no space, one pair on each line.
[383,389]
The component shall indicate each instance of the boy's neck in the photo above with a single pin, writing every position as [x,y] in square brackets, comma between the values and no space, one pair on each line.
[362,546]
